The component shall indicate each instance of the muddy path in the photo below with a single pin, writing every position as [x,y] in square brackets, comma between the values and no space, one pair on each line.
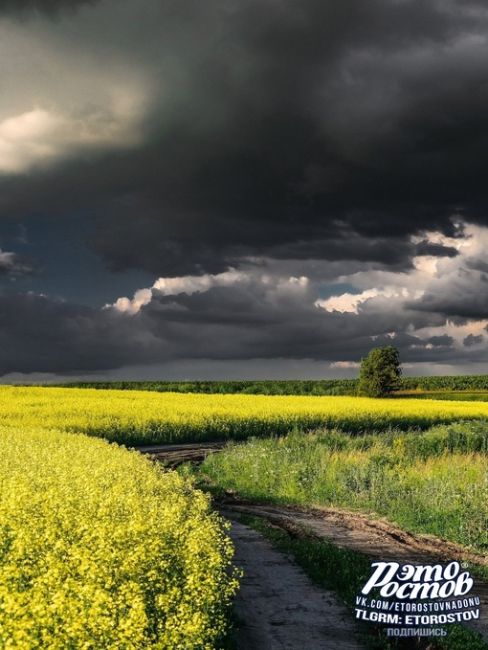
[375,538]
[277,605]
[358,532]
[174,455]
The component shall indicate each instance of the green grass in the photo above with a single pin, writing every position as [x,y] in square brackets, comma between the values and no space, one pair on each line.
[433,482]
[458,396]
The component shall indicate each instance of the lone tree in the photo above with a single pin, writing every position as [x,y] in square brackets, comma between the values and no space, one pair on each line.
[380,372]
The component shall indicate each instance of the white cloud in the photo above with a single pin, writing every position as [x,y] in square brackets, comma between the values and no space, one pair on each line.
[458,331]
[192,283]
[141,297]
[38,137]
[11,264]
[432,280]
[273,284]
[60,97]
[345,365]
[26,138]
[351,302]
[188,284]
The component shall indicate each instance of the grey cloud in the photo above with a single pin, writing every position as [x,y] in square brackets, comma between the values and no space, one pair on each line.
[456,305]
[14,265]
[318,136]
[437,250]
[443,341]
[38,334]
[327,130]
[252,318]
[471,340]
[49,7]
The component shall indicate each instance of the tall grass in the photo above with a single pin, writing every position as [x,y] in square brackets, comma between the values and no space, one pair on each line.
[435,482]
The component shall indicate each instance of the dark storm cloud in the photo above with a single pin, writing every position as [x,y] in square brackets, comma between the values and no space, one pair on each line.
[471,340]
[315,129]
[44,335]
[250,317]
[443,341]
[49,7]
[436,250]
[461,303]
[41,335]
[271,132]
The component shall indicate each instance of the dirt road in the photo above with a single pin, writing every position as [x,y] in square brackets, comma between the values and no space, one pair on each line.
[174,455]
[279,608]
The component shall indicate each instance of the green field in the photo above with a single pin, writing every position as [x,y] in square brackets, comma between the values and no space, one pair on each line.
[431,482]
[452,395]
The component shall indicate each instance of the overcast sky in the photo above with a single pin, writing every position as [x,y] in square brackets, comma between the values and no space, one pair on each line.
[242,188]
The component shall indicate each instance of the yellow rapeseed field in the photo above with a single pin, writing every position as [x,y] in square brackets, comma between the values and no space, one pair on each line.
[100,549]
[139,417]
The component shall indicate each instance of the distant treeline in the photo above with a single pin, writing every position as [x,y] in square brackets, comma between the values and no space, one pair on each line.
[292,387]
[264,387]
[448,383]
